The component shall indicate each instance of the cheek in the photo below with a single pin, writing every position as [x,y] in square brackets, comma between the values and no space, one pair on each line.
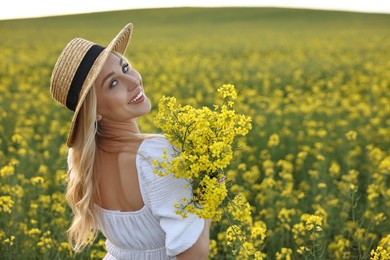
[111,102]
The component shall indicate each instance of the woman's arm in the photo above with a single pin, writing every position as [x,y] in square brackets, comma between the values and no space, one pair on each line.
[200,250]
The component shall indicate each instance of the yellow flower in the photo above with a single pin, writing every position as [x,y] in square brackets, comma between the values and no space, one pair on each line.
[228,90]
[380,253]
[17,138]
[351,135]
[259,231]
[37,180]
[302,249]
[239,208]
[273,140]
[7,170]
[6,204]
[334,169]
[321,185]
[34,232]
[385,242]
[379,218]
[233,233]
[205,140]
[384,165]
[213,249]
[9,241]
[285,253]
[314,222]
[209,198]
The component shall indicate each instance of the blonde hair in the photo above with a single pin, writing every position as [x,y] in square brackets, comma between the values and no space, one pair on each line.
[83,184]
[82,191]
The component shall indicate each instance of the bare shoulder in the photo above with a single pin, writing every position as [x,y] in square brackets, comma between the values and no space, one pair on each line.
[125,158]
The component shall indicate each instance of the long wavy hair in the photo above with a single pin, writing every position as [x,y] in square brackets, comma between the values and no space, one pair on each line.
[83,187]
[82,190]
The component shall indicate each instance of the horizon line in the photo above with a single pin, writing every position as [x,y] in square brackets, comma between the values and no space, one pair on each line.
[172,7]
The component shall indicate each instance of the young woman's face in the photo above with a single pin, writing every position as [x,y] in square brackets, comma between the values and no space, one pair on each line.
[119,91]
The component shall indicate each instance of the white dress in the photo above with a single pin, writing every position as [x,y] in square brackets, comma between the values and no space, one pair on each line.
[155,231]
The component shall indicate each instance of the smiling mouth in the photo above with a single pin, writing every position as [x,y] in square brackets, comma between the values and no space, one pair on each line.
[137,97]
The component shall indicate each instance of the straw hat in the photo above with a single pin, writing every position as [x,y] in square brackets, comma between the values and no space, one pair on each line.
[77,69]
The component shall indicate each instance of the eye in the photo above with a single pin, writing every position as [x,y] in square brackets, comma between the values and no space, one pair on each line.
[125,68]
[113,83]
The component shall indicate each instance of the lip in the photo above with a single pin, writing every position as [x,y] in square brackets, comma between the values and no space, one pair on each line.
[135,95]
[142,98]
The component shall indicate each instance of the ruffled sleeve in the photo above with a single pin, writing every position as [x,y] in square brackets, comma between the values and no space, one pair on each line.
[161,193]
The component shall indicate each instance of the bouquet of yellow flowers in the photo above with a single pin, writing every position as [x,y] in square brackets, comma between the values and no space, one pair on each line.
[203,140]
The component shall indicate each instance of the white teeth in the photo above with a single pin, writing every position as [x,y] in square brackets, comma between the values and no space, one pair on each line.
[137,97]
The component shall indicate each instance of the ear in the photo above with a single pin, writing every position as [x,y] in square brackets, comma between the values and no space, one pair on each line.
[99,117]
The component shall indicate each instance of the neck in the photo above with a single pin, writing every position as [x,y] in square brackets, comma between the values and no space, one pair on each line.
[118,137]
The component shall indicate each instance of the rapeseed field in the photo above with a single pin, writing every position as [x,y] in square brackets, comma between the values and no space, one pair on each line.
[315,167]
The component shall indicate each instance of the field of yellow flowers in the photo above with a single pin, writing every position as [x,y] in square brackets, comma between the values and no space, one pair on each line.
[315,167]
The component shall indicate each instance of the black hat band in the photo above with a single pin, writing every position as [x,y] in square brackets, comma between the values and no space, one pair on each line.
[80,75]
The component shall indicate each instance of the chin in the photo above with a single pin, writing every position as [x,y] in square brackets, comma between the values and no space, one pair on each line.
[147,106]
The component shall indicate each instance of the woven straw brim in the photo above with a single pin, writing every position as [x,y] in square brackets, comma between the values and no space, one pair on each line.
[118,44]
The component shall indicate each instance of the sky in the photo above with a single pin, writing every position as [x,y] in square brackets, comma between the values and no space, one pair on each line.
[16,9]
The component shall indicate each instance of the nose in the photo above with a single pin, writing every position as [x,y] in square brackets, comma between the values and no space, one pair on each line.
[133,82]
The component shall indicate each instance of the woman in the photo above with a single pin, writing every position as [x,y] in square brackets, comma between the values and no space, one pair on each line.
[112,187]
